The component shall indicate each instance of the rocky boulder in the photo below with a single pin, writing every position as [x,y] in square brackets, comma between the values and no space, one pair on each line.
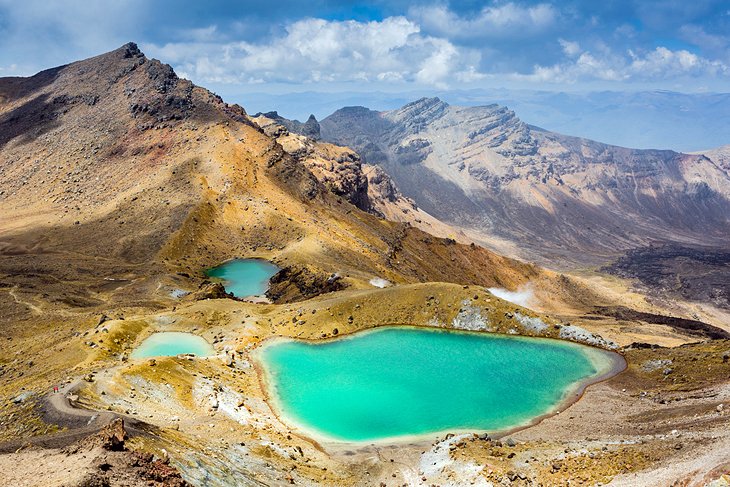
[300,282]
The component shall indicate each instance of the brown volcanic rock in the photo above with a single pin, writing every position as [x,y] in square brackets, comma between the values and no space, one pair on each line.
[338,168]
[99,460]
[210,290]
[80,136]
[111,437]
[341,171]
[300,282]
[309,129]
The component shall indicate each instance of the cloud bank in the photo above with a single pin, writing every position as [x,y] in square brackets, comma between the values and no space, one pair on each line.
[436,46]
[317,50]
[670,44]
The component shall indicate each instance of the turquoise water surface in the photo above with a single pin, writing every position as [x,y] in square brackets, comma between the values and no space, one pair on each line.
[171,343]
[402,381]
[245,277]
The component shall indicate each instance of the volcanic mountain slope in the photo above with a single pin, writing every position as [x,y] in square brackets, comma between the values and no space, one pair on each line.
[117,162]
[120,183]
[544,196]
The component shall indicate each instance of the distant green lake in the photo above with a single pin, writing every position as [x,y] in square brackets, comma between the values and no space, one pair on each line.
[401,381]
[172,343]
[244,277]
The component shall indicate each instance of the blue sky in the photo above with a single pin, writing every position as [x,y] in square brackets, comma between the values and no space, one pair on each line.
[315,56]
[239,46]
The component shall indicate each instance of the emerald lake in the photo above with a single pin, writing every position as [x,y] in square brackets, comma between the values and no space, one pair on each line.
[395,382]
[172,343]
[244,277]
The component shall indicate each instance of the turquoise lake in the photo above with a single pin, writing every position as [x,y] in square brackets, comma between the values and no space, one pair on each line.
[171,343]
[244,277]
[403,381]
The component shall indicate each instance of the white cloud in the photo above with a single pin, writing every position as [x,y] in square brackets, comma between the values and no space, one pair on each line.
[317,50]
[8,70]
[432,46]
[658,64]
[569,48]
[396,50]
[505,21]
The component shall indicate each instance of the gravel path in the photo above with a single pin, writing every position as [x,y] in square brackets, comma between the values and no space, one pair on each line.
[79,423]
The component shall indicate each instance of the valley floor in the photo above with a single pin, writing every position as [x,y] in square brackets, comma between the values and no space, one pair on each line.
[661,421]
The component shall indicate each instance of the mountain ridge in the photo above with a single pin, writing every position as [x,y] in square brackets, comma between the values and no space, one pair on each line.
[503,180]
[684,122]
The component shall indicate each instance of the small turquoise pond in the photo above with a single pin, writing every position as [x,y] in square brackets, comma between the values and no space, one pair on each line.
[244,277]
[171,343]
[403,381]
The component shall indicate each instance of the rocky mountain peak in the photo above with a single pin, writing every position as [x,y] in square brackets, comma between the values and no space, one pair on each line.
[353,111]
[131,50]
[122,80]
[419,112]
[309,129]
[425,103]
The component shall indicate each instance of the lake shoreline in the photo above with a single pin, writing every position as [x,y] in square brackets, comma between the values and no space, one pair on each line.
[613,367]
[231,274]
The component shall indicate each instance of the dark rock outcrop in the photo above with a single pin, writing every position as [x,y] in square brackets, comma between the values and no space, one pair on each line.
[695,274]
[111,437]
[209,290]
[300,282]
[116,466]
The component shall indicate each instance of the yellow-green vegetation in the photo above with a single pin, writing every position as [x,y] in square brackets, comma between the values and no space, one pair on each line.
[600,466]
[684,368]
[22,421]
[170,371]
[118,337]
[432,304]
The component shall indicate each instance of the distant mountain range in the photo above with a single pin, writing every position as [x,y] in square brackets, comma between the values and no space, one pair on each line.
[541,195]
[643,119]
